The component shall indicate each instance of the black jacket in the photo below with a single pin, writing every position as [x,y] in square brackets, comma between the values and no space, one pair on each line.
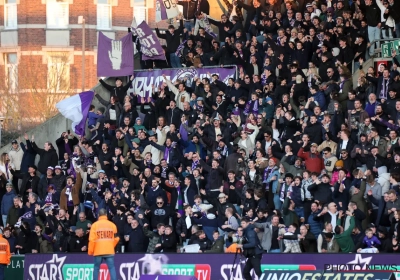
[168,243]
[173,40]
[119,92]
[372,13]
[61,146]
[47,158]
[138,241]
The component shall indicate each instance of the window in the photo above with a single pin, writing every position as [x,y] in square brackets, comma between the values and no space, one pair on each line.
[11,63]
[103,14]
[10,14]
[140,14]
[57,13]
[58,72]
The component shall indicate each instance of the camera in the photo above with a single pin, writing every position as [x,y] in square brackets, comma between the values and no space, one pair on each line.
[234,238]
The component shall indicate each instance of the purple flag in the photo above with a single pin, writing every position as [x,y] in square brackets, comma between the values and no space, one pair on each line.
[161,12]
[144,80]
[150,46]
[76,109]
[166,9]
[114,57]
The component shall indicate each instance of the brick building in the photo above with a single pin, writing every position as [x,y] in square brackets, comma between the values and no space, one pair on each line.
[41,47]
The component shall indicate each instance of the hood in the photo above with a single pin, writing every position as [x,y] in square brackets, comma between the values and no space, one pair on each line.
[12,192]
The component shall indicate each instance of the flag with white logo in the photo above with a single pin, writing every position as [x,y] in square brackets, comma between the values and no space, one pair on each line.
[114,57]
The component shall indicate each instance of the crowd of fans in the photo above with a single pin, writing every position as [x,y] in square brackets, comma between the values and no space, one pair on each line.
[312,162]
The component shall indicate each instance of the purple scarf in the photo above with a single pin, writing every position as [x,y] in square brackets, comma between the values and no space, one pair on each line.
[49,198]
[67,149]
[180,48]
[194,165]
[267,171]
[183,132]
[6,165]
[166,152]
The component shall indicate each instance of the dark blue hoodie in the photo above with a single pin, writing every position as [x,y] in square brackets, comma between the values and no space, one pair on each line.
[7,202]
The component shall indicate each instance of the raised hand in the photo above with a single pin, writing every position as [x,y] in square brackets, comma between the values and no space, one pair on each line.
[115,54]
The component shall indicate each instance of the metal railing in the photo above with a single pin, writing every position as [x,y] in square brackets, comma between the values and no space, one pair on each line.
[377,50]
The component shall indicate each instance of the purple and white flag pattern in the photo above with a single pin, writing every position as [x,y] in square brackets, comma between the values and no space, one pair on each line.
[76,109]
[150,46]
[166,9]
[161,13]
[114,57]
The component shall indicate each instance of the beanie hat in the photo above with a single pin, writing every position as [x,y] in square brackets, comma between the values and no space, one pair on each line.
[339,163]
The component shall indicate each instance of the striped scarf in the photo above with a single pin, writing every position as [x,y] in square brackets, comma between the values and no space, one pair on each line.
[180,200]
[208,28]
[180,49]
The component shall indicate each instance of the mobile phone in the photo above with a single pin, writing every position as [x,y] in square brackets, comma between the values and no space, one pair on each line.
[69,131]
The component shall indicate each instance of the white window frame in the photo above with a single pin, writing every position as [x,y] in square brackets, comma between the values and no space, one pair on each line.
[138,12]
[11,70]
[58,68]
[104,9]
[10,14]
[57,14]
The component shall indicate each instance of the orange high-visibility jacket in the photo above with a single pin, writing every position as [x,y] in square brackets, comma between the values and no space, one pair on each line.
[5,255]
[102,238]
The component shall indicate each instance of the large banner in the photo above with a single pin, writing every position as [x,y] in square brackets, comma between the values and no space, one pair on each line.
[201,266]
[114,57]
[166,9]
[143,82]
[149,44]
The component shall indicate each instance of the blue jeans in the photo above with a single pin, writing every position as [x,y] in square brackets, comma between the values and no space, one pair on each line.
[109,260]
[397,26]
[274,251]
[4,217]
[277,202]
[2,271]
[175,61]
[389,32]
[188,24]
[299,211]
[374,33]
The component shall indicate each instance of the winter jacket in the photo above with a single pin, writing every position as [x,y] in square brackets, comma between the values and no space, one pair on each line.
[103,237]
[7,202]
[217,246]
[16,157]
[43,185]
[344,239]
[12,216]
[154,237]
[321,192]
[314,162]
[117,107]
[5,255]
[119,92]
[173,40]
[315,224]
[28,157]
[137,240]
[75,190]
[47,158]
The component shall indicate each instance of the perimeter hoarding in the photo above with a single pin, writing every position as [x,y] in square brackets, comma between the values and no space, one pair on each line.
[201,266]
